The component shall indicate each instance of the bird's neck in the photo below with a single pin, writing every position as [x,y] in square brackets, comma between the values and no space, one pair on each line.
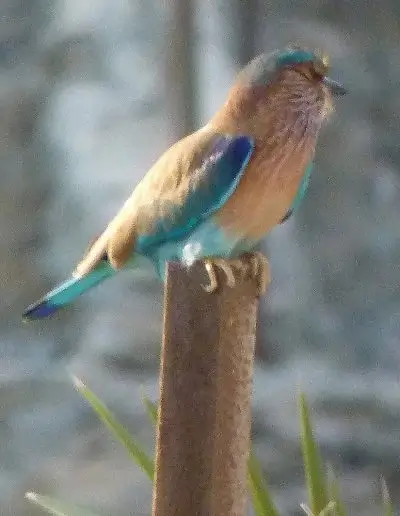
[289,108]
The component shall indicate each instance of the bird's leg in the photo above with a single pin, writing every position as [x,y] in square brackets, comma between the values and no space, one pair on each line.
[260,269]
[224,265]
[213,285]
[254,265]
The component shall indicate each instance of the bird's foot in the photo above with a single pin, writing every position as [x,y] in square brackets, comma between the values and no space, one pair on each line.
[254,265]
[260,270]
[211,264]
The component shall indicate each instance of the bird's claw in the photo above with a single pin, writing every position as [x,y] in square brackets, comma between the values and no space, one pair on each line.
[260,270]
[255,265]
[213,285]
[225,266]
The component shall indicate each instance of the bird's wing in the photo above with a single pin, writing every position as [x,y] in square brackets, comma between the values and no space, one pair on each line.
[188,184]
[214,182]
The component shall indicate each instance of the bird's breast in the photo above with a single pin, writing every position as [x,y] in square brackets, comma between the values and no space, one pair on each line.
[266,191]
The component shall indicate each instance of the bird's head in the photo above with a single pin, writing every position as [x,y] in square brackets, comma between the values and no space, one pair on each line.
[289,86]
[263,69]
[294,81]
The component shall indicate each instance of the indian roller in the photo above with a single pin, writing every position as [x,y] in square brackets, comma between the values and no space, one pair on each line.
[214,194]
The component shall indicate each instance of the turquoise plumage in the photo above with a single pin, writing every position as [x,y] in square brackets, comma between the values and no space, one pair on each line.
[67,292]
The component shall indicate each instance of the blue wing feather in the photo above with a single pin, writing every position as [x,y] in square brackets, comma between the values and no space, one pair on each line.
[67,292]
[222,170]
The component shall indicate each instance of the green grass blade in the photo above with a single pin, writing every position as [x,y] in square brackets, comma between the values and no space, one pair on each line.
[328,511]
[262,501]
[316,484]
[134,449]
[334,493]
[388,509]
[55,507]
[151,409]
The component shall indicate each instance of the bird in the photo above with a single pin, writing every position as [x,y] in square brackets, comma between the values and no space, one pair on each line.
[216,193]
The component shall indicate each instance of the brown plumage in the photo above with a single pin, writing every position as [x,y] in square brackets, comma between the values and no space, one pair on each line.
[284,118]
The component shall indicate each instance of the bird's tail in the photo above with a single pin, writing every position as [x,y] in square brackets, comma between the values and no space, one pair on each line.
[67,292]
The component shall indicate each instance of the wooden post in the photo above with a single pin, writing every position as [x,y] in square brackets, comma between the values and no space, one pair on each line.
[205,405]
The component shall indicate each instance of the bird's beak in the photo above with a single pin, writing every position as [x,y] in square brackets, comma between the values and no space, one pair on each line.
[335,87]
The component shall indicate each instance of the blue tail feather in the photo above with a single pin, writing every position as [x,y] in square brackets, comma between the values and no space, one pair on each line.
[67,292]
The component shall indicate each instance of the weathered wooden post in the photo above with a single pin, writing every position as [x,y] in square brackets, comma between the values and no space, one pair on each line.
[205,404]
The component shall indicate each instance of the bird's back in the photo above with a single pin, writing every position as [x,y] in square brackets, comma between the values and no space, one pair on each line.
[162,189]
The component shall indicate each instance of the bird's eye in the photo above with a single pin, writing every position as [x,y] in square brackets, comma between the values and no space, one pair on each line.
[325,60]
[321,66]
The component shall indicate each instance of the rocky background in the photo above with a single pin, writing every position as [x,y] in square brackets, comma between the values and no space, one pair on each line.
[91,92]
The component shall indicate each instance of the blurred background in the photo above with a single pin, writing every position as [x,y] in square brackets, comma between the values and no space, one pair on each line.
[91,92]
